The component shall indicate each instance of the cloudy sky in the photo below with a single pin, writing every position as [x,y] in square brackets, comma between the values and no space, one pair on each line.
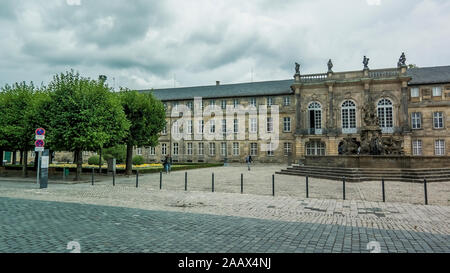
[155,44]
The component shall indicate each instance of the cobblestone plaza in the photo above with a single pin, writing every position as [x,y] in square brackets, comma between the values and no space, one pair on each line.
[123,218]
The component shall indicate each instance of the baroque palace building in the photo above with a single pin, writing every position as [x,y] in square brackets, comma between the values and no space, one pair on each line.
[316,113]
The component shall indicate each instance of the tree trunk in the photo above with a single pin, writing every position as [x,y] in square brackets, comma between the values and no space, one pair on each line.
[21,158]
[100,162]
[129,168]
[24,164]
[1,157]
[14,158]
[75,154]
[79,165]
[51,156]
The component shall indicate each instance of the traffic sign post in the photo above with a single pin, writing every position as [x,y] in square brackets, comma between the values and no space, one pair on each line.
[43,158]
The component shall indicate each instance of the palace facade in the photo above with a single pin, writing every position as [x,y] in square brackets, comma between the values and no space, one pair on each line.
[316,112]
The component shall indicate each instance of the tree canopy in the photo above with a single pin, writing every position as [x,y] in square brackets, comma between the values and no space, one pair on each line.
[84,115]
[146,115]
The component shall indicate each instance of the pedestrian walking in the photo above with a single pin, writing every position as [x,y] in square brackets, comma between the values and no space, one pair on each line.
[166,164]
[249,160]
[169,164]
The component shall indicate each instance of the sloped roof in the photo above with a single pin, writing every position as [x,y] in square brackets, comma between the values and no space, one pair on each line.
[425,75]
[429,75]
[225,90]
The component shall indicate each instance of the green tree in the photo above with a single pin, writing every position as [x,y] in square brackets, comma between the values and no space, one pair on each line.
[119,152]
[146,115]
[19,108]
[84,115]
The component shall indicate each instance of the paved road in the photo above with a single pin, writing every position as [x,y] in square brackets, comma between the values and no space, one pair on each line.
[43,226]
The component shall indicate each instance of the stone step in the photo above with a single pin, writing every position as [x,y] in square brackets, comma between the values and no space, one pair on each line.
[372,172]
[359,175]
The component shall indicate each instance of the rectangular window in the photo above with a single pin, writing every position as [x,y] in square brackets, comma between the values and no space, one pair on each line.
[235,148]
[201,126]
[175,149]
[437,91]
[287,124]
[438,120]
[138,151]
[223,149]
[253,149]
[164,149]
[270,149]
[414,92]
[269,101]
[212,126]
[287,148]
[189,148]
[164,131]
[224,126]
[287,101]
[235,103]
[416,120]
[176,128]
[417,147]
[236,126]
[201,148]
[189,105]
[212,149]
[252,102]
[189,127]
[223,104]
[439,147]
[253,125]
[152,151]
[165,106]
[269,125]
[175,106]
[212,102]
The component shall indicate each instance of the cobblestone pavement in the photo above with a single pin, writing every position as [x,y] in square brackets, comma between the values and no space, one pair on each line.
[259,181]
[42,226]
[198,220]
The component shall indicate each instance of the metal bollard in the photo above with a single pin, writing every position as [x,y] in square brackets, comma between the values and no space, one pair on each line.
[160,180]
[425,190]
[242,183]
[382,189]
[185,181]
[273,185]
[307,187]
[92,177]
[137,178]
[343,187]
[212,182]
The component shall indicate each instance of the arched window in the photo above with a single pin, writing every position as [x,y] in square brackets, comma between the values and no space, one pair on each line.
[385,115]
[315,147]
[348,114]
[315,118]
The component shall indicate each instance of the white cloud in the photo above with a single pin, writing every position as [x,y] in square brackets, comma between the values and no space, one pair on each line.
[144,43]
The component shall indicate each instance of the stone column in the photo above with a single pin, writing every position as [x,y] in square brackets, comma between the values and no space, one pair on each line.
[298,110]
[331,125]
[404,108]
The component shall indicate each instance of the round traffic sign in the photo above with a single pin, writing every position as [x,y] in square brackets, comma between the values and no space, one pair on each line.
[40,131]
[39,143]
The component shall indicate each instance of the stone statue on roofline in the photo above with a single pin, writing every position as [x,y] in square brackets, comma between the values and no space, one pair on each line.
[402,60]
[297,68]
[366,62]
[330,66]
